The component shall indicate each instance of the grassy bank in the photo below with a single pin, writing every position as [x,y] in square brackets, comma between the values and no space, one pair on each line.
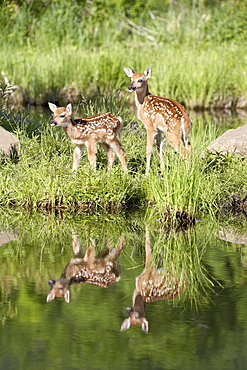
[63,53]
[41,178]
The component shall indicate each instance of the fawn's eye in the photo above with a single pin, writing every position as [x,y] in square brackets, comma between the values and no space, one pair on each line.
[140,80]
[62,115]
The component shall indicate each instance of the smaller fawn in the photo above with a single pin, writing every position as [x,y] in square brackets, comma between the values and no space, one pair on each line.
[100,129]
[159,115]
[152,285]
[87,268]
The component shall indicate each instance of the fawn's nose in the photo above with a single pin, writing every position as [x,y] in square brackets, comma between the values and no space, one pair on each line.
[53,122]
[131,88]
[129,310]
[51,283]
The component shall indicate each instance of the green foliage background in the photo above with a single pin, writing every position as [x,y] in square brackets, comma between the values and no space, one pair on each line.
[191,46]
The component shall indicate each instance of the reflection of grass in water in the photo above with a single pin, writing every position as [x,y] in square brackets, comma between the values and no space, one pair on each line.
[7,308]
[44,246]
[51,235]
[181,254]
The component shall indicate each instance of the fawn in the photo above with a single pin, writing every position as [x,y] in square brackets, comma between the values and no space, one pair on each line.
[159,115]
[100,129]
[87,268]
[152,285]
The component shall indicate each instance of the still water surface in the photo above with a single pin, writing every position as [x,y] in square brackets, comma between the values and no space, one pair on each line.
[203,324]
[204,327]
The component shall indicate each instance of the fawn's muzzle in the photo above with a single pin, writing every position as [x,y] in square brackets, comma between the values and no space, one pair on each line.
[51,283]
[129,310]
[131,88]
[53,123]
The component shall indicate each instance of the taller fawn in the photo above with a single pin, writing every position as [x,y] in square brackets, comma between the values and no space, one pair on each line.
[159,115]
[87,268]
[152,285]
[102,128]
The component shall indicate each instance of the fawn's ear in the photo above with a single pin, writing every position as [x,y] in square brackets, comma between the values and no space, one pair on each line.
[125,325]
[145,326]
[121,243]
[147,72]
[129,72]
[76,246]
[69,109]
[50,296]
[52,107]
[90,254]
[67,296]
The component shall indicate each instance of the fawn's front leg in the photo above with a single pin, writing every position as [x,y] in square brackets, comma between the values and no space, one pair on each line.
[150,140]
[77,156]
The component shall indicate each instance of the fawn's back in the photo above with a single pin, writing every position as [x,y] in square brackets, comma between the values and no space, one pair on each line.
[102,128]
[101,270]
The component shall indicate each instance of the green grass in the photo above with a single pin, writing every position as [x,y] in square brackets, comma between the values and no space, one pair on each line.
[42,177]
[191,49]
[197,78]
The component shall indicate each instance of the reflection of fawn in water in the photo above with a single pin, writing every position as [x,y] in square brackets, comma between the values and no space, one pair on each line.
[102,270]
[152,285]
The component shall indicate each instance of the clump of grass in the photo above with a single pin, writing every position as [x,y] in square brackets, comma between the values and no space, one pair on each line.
[197,188]
[44,179]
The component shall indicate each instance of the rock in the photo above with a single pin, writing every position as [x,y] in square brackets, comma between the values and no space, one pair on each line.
[232,141]
[7,236]
[9,143]
[233,235]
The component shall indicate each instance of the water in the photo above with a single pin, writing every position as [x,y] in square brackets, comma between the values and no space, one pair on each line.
[205,327]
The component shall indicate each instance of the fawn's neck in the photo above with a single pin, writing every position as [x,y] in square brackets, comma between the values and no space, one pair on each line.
[69,128]
[141,95]
[138,304]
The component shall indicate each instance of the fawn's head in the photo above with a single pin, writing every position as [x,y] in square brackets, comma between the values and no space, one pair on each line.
[60,289]
[62,115]
[136,316]
[138,80]
[134,319]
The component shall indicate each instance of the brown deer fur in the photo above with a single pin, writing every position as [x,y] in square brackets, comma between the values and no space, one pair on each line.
[152,285]
[100,129]
[159,115]
[87,268]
